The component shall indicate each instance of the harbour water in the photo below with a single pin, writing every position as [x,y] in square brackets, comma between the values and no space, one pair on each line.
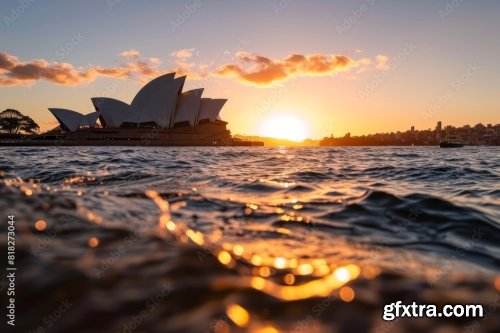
[259,239]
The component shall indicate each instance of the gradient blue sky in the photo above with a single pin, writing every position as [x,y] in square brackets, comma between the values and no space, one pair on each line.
[447,43]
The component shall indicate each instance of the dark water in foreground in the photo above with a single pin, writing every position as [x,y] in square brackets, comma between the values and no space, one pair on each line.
[253,239]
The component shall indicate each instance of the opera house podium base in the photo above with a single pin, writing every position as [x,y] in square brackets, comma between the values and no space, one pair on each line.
[207,134]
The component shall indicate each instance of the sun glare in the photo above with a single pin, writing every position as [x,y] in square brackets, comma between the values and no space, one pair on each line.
[284,126]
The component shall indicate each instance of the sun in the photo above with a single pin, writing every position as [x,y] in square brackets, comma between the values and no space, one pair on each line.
[284,126]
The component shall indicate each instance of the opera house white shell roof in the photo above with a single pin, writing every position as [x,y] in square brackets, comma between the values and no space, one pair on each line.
[188,106]
[113,111]
[210,108]
[160,101]
[72,120]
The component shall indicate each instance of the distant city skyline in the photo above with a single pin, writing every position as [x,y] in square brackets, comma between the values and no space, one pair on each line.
[319,67]
[478,134]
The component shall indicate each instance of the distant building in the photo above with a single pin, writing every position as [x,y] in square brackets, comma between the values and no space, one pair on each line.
[439,127]
[479,127]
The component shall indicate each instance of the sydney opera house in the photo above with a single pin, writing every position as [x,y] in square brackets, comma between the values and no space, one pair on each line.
[161,114]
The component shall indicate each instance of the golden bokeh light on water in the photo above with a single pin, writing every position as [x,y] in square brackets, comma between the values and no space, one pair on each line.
[280,263]
[238,315]
[497,283]
[266,329]
[304,269]
[93,242]
[264,271]
[346,294]
[289,279]
[224,257]
[40,225]
[238,250]
[322,278]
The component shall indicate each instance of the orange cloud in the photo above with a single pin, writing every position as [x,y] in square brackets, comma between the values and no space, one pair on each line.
[184,53]
[7,61]
[15,72]
[259,70]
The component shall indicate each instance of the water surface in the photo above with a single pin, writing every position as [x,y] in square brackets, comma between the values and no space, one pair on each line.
[166,239]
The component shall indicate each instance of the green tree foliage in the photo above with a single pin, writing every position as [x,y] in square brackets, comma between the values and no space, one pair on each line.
[14,122]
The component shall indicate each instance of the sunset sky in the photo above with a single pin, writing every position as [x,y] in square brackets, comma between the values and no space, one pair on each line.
[333,66]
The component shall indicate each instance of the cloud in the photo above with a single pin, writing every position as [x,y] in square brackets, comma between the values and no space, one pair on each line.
[16,72]
[183,65]
[258,70]
[7,61]
[382,62]
[130,54]
[183,54]
[154,60]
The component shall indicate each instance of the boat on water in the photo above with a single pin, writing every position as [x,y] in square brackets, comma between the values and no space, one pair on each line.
[451,141]
[161,114]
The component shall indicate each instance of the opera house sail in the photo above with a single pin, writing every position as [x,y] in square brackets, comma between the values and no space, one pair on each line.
[161,114]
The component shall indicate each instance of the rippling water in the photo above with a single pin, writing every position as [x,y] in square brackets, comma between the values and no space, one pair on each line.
[164,239]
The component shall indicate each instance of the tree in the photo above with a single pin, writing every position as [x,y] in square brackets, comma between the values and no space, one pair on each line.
[14,122]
